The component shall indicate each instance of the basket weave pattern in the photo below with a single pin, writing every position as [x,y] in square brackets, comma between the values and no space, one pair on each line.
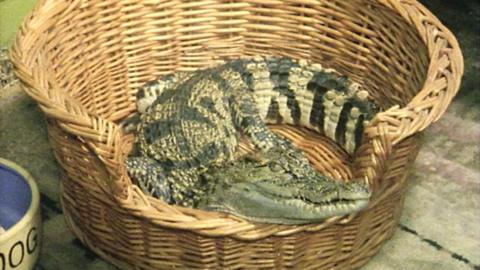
[82,61]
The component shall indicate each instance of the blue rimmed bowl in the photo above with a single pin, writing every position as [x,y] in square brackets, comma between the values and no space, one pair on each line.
[19,218]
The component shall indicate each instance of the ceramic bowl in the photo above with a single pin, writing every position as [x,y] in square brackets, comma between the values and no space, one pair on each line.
[20,218]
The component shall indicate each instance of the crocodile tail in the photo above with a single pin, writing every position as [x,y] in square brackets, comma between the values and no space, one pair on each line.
[301,93]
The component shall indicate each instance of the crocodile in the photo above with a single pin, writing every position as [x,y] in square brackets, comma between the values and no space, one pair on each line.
[188,122]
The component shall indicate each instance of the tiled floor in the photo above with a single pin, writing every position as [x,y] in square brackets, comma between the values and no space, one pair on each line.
[439,228]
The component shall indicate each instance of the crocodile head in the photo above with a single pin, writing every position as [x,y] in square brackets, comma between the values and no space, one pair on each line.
[282,189]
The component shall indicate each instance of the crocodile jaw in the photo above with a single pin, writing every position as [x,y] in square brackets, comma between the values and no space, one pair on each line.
[253,203]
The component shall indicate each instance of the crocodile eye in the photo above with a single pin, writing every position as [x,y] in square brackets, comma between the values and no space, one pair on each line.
[295,154]
[275,167]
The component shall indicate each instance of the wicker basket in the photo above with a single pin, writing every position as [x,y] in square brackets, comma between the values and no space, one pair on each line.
[82,61]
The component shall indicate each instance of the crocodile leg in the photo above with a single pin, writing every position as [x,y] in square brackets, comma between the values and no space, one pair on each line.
[247,119]
[150,176]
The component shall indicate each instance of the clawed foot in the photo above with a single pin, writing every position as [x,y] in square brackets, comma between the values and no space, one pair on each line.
[149,176]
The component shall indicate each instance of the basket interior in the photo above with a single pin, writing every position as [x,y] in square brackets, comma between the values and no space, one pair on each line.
[100,53]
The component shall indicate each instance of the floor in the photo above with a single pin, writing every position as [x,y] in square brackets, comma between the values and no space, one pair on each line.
[439,226]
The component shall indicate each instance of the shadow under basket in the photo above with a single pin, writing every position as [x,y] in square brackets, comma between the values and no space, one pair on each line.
[83,61]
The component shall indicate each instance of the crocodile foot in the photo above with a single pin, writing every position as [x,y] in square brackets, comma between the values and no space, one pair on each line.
[150,177]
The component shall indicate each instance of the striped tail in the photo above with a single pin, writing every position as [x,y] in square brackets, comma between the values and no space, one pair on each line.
[300,93]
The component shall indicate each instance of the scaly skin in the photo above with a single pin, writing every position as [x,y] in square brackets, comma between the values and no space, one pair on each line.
[189,122]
